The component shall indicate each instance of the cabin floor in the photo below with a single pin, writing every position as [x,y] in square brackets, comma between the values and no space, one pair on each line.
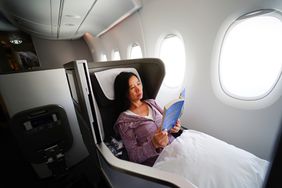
[16,171]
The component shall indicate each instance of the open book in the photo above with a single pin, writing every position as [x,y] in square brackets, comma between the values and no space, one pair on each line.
[172,112]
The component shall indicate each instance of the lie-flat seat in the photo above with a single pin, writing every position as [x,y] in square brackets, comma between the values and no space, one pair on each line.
[103,88]
[102,76]
[98,108]
[103,84]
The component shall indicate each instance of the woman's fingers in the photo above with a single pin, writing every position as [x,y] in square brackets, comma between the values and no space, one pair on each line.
[176,128]
[160,139]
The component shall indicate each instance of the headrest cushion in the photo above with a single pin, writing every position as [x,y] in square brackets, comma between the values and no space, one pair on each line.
[107,78]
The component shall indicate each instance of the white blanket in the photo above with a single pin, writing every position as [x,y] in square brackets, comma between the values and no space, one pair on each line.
[211,163]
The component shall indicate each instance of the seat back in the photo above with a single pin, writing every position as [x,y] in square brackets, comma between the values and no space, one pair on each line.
[102,76]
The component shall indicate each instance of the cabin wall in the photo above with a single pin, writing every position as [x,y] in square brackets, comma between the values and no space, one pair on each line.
[54,53]
[120,38]
[201,25]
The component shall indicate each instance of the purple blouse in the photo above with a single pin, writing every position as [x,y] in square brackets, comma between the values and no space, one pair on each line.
[137,132]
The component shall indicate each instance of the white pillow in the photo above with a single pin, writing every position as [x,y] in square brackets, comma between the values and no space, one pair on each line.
[107,78]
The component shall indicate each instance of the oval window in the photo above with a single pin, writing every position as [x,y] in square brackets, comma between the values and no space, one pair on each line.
[116,55]
[250,59]
[135,52]
[172,53]
[103,57]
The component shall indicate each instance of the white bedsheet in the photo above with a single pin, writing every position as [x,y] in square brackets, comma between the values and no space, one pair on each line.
[211,163]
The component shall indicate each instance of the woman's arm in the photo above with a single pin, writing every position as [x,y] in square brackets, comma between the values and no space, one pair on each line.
[137,153]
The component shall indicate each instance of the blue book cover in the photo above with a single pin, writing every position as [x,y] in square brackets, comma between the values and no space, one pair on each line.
[172,112]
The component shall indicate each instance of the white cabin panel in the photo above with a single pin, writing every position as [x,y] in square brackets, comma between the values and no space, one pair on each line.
[200,23]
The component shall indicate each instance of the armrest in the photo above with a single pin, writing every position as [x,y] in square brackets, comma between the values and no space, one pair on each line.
[128,174]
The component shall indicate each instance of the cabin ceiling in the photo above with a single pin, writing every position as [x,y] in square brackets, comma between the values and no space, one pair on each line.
[65,19]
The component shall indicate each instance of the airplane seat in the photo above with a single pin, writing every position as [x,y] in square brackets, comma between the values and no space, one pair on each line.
[102,81]
[103,88]
[97,109]
[44,136]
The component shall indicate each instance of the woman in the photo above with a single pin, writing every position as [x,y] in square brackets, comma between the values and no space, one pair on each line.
[139,121]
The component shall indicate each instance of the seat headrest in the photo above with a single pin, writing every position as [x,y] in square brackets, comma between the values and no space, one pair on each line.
[107,78]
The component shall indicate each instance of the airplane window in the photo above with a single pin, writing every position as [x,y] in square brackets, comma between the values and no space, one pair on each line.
[116,55]
[250,62]
[136,51]
[103,57]
[172,53]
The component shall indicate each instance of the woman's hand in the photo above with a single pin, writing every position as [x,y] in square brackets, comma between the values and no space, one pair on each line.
[176,127]
[160,139]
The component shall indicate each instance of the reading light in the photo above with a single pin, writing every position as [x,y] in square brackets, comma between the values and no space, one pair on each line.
[16,41]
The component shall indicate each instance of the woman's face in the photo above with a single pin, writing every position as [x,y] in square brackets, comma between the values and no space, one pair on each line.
[135,89]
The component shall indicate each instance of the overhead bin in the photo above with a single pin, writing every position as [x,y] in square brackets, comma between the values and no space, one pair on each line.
[67,19]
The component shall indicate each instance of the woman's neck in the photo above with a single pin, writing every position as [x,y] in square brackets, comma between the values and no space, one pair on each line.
[135,104]
[139,107]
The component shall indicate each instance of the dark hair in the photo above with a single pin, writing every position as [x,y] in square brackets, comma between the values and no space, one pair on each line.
[121,88]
